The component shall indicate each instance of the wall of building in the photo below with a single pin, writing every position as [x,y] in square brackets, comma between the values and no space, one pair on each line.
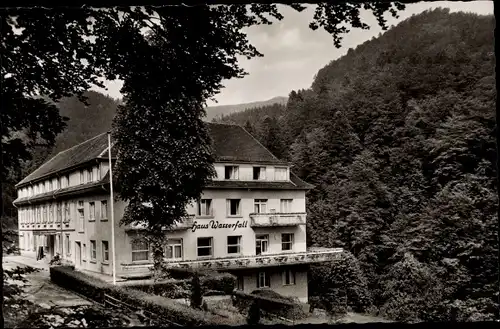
[299,289]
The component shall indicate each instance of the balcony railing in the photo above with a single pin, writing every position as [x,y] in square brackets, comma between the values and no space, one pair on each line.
[312,256]
[186,224]
[277,219]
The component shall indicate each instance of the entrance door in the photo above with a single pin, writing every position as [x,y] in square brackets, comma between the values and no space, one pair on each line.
[78,254]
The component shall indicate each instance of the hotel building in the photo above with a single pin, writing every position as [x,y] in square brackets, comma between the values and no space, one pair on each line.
[250,220]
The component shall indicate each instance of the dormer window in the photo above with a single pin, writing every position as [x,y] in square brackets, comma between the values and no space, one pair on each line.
[259,173]
[231,172]
[82,177]
[280,174]
[90,176]
[67,181]
[50,185]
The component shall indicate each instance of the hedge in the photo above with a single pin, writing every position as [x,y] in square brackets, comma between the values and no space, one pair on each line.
[280,307]
[170,288]
[167,308]
[211,281]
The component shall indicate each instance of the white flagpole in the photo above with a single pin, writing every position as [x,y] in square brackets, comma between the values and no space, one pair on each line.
[111,204]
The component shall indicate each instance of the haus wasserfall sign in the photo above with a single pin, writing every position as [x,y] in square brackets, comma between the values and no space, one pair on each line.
[214,224]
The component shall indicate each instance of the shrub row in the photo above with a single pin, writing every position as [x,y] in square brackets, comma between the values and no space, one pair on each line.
[170,288]
[167,308]
[211,281]
[280,307]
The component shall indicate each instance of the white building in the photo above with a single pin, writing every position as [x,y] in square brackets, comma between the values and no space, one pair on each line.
[251,220]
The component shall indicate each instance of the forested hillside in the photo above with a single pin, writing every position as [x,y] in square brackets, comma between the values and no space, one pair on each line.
[218,112]
[398,137]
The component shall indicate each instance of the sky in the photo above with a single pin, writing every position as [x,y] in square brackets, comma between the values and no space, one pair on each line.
[293,53]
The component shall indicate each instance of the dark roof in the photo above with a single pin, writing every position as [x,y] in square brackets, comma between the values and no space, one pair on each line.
[231,143]
[78,154]
[295,183]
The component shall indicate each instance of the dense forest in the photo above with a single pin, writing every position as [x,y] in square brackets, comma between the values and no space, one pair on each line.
[398,137]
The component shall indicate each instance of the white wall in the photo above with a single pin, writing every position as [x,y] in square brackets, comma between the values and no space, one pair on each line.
[246,171]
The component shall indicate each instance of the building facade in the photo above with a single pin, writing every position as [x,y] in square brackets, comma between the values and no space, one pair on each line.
[250,220]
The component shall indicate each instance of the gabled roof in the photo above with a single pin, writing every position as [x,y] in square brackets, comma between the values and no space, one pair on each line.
[234,143]
[231,143]
[74,156]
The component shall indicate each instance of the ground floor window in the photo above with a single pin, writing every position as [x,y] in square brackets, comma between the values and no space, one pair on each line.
[233,244]
[205,247]
[263,280]
[84,252]
[174,249]
[105,251]
[68,245]
[261,243]
[93,250]
[288,276]
[140,250]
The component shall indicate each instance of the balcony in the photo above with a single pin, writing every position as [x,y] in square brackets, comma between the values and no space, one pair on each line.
[186,224]
[312,256]
[277,219]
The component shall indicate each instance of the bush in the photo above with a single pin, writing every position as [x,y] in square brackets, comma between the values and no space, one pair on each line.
[223,282]
[196,297]
[170,288]
[254,313]
[164,307]
[341,284]
[279,306]
[67,277]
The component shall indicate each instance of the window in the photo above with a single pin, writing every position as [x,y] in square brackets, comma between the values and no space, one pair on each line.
[42,188]
[239,283]
[51,213]
[231,172]
[84,252]
[259,173]
[233,207]
[233,244]
[50,185]
[92,210]
[286,205]
[44,214]
[90,176]
[286,241]
[93,250]
[105,251]
[68,246]
[104,209]
[174,249]
[140,250]
[81,220]
[97,174]
[280,174]
[82,178]
[263,280]
[67,216]
[205,247]
[57,184]
[66,181]
[260,206]
[261,243]
[205,207]
[59,212]
[288,277]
